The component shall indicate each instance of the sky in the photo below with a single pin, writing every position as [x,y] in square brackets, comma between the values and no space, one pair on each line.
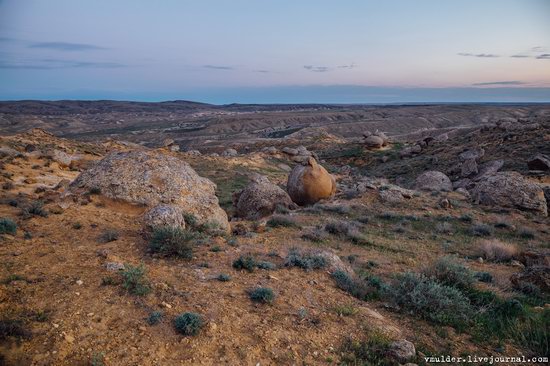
[276,51]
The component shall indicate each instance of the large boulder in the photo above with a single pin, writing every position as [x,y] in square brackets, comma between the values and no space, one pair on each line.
[164,215]
[151,178]
[374,142]
[433,180]
[310,183]
[512,190]
[260,198]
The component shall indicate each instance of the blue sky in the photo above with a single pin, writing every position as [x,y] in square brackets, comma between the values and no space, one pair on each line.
[279,51]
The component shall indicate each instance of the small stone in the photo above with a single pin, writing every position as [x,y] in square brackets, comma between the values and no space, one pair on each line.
[69,338]
[90,314]
[166,305]
[55,325]
[142,328]
[79,282]
[515,263]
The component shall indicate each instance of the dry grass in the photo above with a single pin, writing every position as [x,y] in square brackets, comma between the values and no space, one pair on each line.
[495,250]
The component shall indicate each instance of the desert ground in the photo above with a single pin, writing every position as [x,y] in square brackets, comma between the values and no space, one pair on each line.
[434,240]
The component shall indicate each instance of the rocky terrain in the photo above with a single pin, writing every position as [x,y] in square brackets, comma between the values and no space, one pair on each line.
[183,233]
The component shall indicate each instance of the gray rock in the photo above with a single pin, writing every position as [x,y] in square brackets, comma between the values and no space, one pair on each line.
[151,178]
[488,168]
[512,190]
[164,215]
[433,180]
[468,168]
[114,266]
[290,151]
[402,350]
[472,154]
[374,142]
[260,198]
[230,153]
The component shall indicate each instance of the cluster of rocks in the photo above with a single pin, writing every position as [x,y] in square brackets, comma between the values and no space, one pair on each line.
[375,140]
[171,145]
[165,184]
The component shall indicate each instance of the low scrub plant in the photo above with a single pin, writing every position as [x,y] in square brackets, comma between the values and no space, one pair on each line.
[357,287]
[134,280]
[154,317]
[346,230]
[189,324]
[109,235]
[494,250]
[450,273]
[263,295]
[372,351]
[481,230]
[428,299]
[526,233]
[173,241]
[35,208]
[282,221]
[246,262]
[7,226]
[305,260]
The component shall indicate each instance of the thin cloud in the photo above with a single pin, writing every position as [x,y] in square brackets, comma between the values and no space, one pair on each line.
[480,55]
[65,46]
[507,82]
[52,64]
[544,56]
[520,56]
[218,67]
[317,68]
[263,71]
[353,65]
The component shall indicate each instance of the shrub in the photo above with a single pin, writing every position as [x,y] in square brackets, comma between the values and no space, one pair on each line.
[7,226]
[108,281]
[481,230]
[108,236]
[430,300]
[466,218]
[77,225]
[307,261]
[154,317]
[526,233]
[484,277]
[189,324]
[12,328]
[282,221]
[173,241]
[448,272]
[316,235]
[134,281]
[345,230]
[444,228]
[340,209]
[35,208]
[503,225]
[190,219]
[373,351]
[497,251]
[245,262]
[224,277]
[263,295]
[266,265]
[356,287]
[345,310]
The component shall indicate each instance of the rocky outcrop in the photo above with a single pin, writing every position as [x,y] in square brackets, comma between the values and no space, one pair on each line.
[310,183]
[260,198]
[433,180]
[374,142]
[164,215]
[512,190]
[229,153]
[402,350]
[151,178]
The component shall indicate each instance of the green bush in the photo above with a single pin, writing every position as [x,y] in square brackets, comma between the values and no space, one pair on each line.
[7,226]
[266,265]
[245,262]
[346,230]
[481,230]
[154,317]
[134,281]
[526,233]
[448,272]
[484,277]
[307,261]
[189,324]
[108,236]
[263,295]
[282,221]
[35,208]
[224,277]
[373,351]
[430,300]
[356,287]
[173,241]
